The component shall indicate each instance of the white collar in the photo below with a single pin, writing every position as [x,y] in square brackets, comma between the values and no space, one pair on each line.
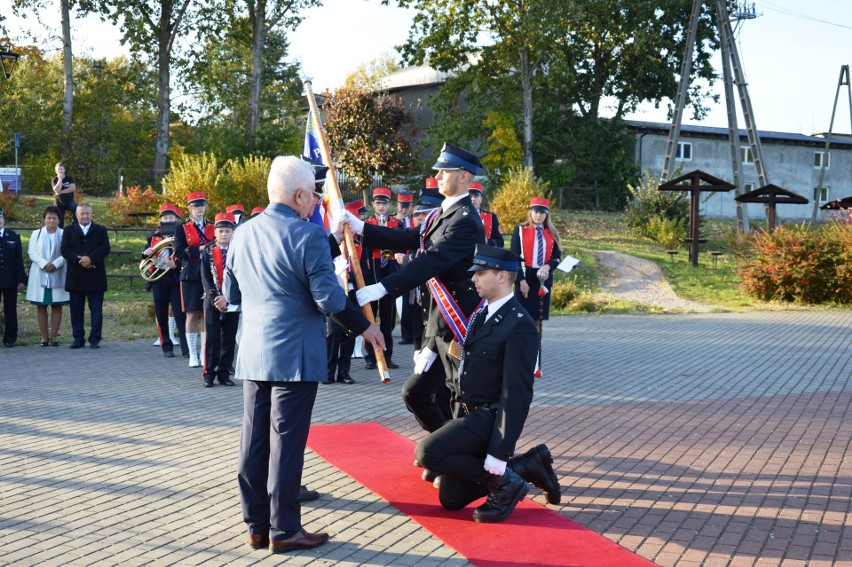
[495,306]
[450,201]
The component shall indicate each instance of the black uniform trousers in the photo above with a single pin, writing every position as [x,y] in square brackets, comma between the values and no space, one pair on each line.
[166,292]
[406,319]
[276,422]
[220,342]
[458,450]
[10,314]
[340,350]
[385,310]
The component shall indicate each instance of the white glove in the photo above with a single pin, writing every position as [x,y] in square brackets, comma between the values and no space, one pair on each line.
[353,221]
[370,293]
[494,465]
[423,360]
[416,354]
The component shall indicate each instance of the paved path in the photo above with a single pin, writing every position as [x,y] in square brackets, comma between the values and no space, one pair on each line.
[701,439]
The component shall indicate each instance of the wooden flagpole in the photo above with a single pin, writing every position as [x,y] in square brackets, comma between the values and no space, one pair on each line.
[337,208]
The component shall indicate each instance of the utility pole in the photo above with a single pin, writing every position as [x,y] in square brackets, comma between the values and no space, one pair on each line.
[843,80]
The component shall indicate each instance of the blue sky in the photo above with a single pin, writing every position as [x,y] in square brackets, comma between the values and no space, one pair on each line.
[791,54]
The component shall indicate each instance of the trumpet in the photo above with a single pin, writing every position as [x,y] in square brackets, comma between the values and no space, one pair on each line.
[155,266]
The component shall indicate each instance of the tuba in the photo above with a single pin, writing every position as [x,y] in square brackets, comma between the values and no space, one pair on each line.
[154,267]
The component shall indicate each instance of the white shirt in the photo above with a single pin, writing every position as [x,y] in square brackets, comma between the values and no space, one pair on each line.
[85,229]
[496,305]
[450,201]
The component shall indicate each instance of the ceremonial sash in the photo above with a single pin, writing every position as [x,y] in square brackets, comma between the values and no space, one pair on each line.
[456,320]
[528,244]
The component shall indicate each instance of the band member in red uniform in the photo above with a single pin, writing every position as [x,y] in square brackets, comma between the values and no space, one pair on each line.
[220,318]
[166,290]
[190,237]
[537,243]
[490,222]
[376,265]
[256,211]
[403,214]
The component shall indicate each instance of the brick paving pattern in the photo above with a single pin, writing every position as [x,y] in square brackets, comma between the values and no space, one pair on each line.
[706,439]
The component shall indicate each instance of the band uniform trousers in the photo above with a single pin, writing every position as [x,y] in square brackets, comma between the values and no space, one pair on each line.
[220,343]
[166,292]
[385,308]
[283,408]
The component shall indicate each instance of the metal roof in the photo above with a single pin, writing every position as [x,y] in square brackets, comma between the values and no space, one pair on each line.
[714,132]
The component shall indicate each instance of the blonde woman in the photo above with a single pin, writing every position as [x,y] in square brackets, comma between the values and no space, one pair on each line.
[537,243]
[46,286]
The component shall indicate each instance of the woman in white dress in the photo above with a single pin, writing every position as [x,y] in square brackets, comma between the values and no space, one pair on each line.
[46,286]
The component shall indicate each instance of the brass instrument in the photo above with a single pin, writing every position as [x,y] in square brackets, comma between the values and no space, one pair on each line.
[154,267]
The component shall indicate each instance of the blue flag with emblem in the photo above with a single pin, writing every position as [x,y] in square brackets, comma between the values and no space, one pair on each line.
[312,150]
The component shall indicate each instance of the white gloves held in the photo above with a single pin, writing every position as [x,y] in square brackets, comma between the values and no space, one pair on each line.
[494,465]
[423,360]
[354,222]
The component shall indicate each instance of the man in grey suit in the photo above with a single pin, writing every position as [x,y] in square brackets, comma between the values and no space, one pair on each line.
[279,271]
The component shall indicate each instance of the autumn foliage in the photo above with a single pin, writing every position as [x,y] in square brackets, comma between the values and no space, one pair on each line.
[800,263]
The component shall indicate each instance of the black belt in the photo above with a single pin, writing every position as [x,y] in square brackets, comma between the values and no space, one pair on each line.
[469,408]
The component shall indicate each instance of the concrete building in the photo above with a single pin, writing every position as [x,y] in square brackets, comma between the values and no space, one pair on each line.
[792,161]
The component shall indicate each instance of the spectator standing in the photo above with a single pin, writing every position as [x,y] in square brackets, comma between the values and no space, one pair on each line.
[46,285]
[63,193]
[85,247]
[12,279]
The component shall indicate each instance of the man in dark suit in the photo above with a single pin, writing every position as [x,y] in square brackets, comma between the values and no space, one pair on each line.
[493,395]
[279,269]
[446,242]
[12,279]
[85,246]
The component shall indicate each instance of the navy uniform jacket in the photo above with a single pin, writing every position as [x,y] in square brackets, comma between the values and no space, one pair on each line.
[450,243]
[96,246]
[11,260]
[501,374]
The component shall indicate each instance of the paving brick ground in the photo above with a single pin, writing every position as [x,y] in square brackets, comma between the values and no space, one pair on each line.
[711,439]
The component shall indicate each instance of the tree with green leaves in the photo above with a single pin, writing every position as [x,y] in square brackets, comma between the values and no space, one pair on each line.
[367,134]
[369,75]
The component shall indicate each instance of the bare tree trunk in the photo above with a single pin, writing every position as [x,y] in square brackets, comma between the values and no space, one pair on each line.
[68,104]
[258,41]
[526,85]
[161,144]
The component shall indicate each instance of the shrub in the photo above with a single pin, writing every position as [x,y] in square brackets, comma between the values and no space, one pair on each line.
[134,200]
[800,263]
[656,214]
[513,199]
[9,204]
[243,181]
[190,173]
[563,293]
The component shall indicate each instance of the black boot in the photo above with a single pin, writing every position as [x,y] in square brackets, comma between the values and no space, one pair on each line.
[504,493]
[535,467]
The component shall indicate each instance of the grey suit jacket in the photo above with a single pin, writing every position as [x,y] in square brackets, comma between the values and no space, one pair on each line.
[279,271]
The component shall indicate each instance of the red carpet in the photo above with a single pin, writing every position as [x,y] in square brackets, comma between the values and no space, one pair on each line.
[380,460]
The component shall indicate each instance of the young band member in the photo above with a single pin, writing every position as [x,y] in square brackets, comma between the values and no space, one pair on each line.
[166,290]
[376,265]
[494,391]
[490,222]
[220,318]
[190,237]
[404,200]
[537,243]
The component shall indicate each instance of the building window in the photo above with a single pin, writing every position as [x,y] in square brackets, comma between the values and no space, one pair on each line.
[748,187]
[818,159]
[745,154]
[824,194]
[684,151]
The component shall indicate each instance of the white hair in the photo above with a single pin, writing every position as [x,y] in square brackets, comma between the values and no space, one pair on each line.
[288,174]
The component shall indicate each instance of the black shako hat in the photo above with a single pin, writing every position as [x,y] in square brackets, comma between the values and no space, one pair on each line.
[320,171]
[493,258]
[453,157]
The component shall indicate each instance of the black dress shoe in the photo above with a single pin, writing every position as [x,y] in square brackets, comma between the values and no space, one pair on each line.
[302,540]
[208,383]
[391,363]
[78,344]
[370,365]
[429,476]
[168,354]
[345,378]
[94,345]
[306,495]
[9,345]
[227,382]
